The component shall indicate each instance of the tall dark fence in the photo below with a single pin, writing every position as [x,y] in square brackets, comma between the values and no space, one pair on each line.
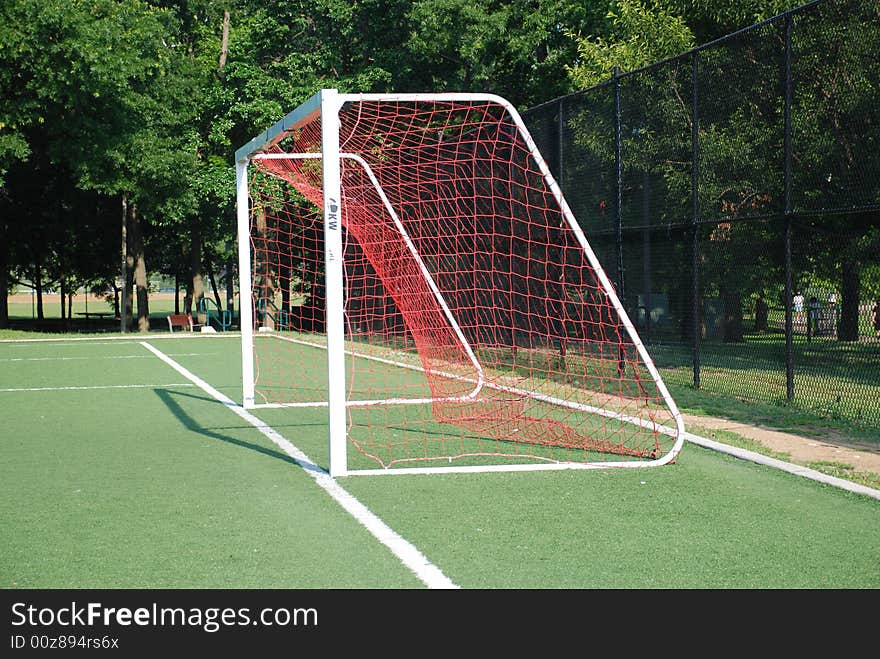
[732,194]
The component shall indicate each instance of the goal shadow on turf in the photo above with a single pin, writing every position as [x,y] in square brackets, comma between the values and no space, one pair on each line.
[170,399]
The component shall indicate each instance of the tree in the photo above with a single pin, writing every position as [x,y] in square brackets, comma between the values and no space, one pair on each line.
[712,19]
[740,168]
[836,136]
[638,35]
[517,49]
[97,92]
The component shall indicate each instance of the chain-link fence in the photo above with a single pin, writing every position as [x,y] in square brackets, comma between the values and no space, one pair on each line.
[732,194]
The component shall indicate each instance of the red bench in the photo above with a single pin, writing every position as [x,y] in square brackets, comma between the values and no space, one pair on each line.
[183,320]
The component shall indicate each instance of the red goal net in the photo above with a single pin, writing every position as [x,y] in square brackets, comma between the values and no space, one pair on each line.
[479,327]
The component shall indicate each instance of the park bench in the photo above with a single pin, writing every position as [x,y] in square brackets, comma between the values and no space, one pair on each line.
[183,320]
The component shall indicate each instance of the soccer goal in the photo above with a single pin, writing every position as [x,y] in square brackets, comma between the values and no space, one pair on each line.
[418,283]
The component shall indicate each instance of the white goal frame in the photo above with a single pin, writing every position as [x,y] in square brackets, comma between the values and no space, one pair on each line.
[326,104]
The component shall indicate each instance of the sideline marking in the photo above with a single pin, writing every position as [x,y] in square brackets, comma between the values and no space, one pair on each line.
[790,467]
[101,386]
[70,359]
[127,337]
[411,557]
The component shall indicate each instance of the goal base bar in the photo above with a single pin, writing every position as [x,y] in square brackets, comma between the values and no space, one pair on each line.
[556,466]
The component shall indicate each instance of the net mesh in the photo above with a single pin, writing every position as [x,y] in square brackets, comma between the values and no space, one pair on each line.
[475,324]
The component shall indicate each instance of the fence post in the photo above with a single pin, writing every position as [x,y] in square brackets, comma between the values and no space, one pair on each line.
[695,211]
[618,178]
[787,211]
[646,253]
[560,139]
[618,210]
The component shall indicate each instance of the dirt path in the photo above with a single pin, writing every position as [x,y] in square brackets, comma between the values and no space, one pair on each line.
[801,450]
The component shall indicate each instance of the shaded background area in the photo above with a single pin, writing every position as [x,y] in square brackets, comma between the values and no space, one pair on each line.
[732,194]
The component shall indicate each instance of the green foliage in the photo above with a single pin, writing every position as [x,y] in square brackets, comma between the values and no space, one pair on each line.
[518,48]
[138,98]
[13,148]
[712,19]
[465,36]
[131,98]
[638,35]
[98,93]
[740,168]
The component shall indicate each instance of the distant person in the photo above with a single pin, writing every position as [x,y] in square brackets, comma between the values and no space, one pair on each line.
[798,304]
[832,300]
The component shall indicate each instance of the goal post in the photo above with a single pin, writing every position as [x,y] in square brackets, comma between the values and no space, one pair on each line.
[412,274]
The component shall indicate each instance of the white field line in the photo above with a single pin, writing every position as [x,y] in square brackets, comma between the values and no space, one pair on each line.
[104,386]
[367,403]
[383,401]
[411,557]
[111,340]
[735,451]
[70,359]
[789,467]
[559,402]
[637,421]
[740,453]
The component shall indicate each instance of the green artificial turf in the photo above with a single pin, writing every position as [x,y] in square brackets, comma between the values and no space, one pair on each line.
[158,485]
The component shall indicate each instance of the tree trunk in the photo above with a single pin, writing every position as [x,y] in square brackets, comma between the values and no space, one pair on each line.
[198,284]
[62,287]
[4,282]
[176,294]
[188,297]
[850,274]
[230,291]
[128,298]
[761,314]
[284,280]
[213,281]
[733,316]
[140,270]
[127,266]
[38,286]
[265,280]
[682,297]
[224,45]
